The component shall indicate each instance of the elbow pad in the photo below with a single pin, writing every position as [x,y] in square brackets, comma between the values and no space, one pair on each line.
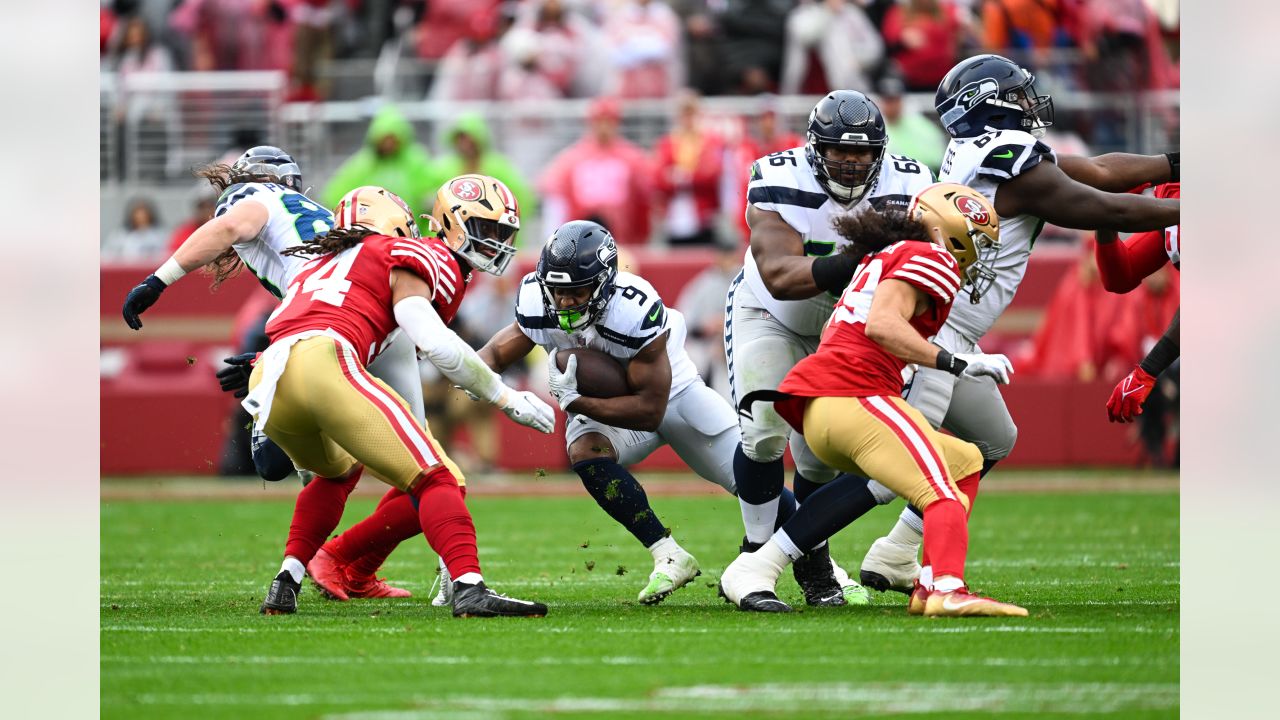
[442,346]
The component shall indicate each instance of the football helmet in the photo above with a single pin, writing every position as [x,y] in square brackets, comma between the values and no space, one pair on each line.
[478,218]
[579,254]
[267,163]
[377,209]
[848,118]
[961,220]
[991,92]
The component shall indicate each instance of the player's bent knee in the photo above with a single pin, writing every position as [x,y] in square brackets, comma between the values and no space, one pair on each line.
[882,494]
[591,446]
[271,462]
[764,448]
[999,446]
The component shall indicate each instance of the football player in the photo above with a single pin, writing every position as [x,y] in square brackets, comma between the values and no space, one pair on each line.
[846,398]
[311,393]
[1121,266]
[792,276]
[577,298]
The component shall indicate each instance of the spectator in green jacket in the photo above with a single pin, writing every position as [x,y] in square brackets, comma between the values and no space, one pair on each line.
[391,158]
[469,150]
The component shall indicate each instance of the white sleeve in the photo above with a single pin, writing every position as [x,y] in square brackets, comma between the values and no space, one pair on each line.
[447,351]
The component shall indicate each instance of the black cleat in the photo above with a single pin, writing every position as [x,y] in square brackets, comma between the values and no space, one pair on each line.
[282,598]
[817,580]
[875,581]
[748,547]
[479,601]
[760,601]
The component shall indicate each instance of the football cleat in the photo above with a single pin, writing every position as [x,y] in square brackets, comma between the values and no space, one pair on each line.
[747,546]
[919,596]
[669,574]
[444,598]
[751,576]
[282,598]
[479,601]
[890,566]
[959,603]
[328,576]
[817,580]
[759,601]
[373,587]
[854,594]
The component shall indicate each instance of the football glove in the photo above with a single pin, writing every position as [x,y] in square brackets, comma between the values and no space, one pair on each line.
[234,378]
[1127,397]
[564,385]
[529,410]
[141,297]
[995,366]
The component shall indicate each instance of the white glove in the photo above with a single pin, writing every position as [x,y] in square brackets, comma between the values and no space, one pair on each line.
[995,366]
[529,410]
[563,385]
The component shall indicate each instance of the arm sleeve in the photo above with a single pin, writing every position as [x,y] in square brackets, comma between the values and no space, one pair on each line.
[1123,264]
[442,346]
[1167,349]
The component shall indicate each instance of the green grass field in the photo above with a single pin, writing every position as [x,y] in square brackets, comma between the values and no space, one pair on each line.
[181,636]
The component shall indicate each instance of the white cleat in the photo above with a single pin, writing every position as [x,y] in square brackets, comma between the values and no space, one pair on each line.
[890,566]
[750,581]
[669,574]
[444,598]
[854,594]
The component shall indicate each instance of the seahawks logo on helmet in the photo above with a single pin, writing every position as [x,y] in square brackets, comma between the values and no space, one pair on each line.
[607,252]
[969,97]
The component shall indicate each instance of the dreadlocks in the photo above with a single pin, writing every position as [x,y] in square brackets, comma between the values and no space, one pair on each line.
[873,231]
[227,264]
[330,243]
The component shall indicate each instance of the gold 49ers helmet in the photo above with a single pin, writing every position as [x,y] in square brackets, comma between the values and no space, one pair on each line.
[962,220]
[477,216]
[377,209]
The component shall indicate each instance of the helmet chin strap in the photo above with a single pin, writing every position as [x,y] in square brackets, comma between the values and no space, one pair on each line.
[855,193]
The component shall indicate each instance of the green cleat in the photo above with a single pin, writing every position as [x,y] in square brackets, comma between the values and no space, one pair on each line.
[854,594]
[669,574]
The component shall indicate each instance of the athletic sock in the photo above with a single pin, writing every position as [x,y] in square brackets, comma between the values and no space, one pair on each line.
[366,545]
[772,552]
[316,513]
[783,542]
[969,486]
[829,510]
[294,567]
[946,534]
[618,493]
[471,578]
[446,522]
[908,529]
[761,485]
[948,583]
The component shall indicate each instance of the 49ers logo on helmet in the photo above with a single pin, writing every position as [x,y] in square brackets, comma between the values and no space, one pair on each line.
[466,189]
[972,209]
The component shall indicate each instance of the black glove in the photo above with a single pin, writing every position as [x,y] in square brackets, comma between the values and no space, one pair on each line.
[235,377]
[141,297]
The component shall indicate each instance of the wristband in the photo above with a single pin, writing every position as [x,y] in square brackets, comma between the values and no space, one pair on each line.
[1174,166]
[950,363]
[169,272]
[833,272]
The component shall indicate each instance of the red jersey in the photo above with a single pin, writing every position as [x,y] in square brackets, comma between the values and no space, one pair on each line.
[1123,264]
[847,362]
[350,292]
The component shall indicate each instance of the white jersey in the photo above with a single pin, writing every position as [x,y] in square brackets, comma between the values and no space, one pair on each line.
[634,316]
[982,163]
[293,219]
[785,183]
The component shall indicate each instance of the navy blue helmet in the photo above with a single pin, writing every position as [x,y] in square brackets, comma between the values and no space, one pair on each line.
[991,92]
[579,254]
[847,118]
[267,163]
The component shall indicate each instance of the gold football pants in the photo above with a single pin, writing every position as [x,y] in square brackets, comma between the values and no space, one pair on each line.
[329,413]
[884,438]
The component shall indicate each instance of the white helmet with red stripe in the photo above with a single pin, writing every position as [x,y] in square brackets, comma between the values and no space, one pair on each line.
[477,217]
[378,209]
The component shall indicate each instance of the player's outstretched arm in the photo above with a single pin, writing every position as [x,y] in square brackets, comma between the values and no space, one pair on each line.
[455,359]
[1122,264]
[505,348]
[1121,172]
[1047,192]
[787,272]
[889,325]
[243,222]
[649,376]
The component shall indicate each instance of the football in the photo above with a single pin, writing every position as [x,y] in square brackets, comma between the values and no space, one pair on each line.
[599,374]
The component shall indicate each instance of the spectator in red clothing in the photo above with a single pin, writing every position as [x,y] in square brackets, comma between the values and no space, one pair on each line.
[601,177]
[644,49]
[206,200]
[236,34]
[772,136]
[1124,48]
[570,48]
[923,38]
[445,23]
[471,68]
[688,164]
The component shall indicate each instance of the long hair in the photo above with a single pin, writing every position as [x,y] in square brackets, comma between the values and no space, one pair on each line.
[228,264]
[330,243]
[872,231]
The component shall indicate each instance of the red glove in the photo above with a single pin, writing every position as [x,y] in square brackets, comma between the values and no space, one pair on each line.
[1127,399]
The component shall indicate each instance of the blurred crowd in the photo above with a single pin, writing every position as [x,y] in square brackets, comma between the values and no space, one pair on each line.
[541,49]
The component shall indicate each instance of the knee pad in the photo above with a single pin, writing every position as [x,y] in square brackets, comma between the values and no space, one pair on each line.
[764,448]
[999,444]
[882,494]
[271,462]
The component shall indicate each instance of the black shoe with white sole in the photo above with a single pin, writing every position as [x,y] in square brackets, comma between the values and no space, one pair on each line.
[282,598]
[479,601]
[759,601]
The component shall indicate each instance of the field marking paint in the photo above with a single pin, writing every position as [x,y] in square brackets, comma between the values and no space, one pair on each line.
[924,626]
